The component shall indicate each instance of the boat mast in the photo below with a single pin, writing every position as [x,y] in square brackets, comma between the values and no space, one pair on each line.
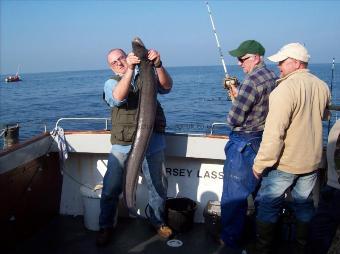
[17,74]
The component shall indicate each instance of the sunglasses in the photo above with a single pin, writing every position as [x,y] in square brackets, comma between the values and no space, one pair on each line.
[115,62]
[242,60]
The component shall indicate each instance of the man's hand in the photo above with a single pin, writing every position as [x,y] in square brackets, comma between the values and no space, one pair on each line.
[132,60]
[257,175]
[155,57]
[233,92]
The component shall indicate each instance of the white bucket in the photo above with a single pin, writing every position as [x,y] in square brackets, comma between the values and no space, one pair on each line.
[91,204]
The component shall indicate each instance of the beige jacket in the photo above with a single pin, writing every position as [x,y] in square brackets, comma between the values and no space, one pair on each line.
[292,138]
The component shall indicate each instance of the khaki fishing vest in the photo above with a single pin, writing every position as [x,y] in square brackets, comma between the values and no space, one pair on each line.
[124,118]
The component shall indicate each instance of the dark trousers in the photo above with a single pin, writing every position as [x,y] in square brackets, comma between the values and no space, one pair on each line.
[238,183]
[324,224]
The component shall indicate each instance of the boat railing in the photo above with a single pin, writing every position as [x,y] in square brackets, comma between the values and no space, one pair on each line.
[107,120]
[214,125]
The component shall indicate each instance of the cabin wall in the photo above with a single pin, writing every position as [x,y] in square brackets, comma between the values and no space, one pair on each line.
[80,169]
[198,179]
[177,145]
[194,166]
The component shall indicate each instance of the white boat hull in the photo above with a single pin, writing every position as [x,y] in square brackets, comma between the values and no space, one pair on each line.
[194,165]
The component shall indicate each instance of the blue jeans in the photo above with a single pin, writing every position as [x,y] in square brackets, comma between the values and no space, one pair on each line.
[154,173]
[238,183]
[271,195]
[325,222]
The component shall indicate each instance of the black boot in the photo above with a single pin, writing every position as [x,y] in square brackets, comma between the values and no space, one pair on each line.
[301,237]
[264,237]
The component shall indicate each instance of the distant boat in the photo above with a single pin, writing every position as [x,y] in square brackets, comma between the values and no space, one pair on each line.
[14,78]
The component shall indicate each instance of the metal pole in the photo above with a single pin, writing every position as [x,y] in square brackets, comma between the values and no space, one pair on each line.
[217,41]
[331,90]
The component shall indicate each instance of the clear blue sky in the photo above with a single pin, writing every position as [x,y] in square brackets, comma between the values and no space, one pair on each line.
[49,35]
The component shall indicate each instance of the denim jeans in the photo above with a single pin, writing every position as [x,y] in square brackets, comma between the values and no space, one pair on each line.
[154,173]
[238,183]
[325,222]
[157,183]
[271,195]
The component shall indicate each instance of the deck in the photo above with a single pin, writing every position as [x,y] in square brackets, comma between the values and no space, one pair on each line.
[67,234]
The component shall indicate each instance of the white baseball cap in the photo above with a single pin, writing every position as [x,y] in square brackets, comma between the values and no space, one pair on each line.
[291,50]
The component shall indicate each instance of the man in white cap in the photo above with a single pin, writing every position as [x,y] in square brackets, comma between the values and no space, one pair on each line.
[291,148]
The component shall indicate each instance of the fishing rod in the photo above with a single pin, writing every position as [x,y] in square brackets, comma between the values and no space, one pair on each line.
[228,81]
[331,90]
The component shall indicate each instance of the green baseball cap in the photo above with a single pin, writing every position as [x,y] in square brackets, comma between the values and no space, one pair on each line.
[248,47]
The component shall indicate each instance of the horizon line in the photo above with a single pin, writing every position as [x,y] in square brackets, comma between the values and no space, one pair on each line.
[183,66]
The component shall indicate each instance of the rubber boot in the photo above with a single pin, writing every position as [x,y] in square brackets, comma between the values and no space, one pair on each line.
[301,235]
[264,237]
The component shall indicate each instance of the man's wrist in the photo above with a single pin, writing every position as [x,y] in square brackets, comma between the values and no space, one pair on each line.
[158,64]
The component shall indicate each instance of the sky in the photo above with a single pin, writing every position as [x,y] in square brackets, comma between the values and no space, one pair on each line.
[71,35]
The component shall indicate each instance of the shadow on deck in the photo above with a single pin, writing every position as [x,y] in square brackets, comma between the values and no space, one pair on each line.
[67,234]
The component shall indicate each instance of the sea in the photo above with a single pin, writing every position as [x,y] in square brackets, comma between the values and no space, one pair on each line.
[196,101]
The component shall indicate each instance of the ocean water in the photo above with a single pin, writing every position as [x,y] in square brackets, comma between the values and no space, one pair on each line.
[196,101]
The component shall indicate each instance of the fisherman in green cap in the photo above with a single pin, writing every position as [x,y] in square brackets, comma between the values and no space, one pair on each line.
[246,119]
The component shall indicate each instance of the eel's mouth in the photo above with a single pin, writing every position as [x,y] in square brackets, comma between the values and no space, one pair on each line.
[138,41]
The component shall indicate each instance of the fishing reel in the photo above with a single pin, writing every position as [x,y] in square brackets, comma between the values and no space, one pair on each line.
[228,82]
